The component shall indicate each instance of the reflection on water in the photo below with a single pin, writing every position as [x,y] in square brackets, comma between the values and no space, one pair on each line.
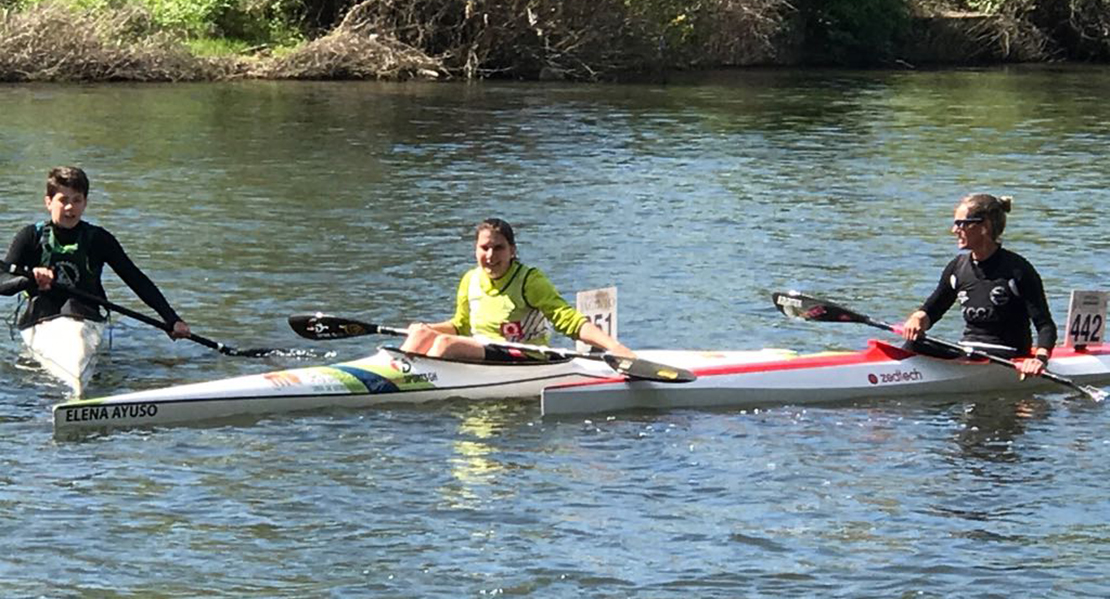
[991,427]
[475,461]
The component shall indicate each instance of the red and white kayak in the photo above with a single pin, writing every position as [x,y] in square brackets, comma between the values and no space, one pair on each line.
[880,371]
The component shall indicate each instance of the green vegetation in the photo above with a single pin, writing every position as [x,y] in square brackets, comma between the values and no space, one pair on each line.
[525,39]
[218,47]
[856,32]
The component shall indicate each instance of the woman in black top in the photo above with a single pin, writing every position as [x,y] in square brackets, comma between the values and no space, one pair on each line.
[999,292]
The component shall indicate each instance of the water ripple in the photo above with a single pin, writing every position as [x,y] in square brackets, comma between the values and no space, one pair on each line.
[247,202]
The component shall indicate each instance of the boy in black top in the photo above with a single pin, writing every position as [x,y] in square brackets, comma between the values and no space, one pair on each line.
[71,252]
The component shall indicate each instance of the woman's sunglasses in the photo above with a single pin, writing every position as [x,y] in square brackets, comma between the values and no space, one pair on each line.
[963,223]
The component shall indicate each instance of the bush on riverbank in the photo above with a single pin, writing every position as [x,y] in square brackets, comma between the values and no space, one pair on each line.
[1070,29]
[353,50]
[53,43]
[392,39]
[527,39]
[576,39]
[1081,28]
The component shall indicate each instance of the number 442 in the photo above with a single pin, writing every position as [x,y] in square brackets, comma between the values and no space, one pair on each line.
[1086,328]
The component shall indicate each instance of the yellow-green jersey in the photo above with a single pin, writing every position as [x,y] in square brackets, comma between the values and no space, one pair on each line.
[516,307]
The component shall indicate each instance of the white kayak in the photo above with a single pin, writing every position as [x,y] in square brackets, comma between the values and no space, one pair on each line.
[66,347]
[386,377]
[880,371]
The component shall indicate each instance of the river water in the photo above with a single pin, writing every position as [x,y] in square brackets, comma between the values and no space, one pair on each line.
[249,201]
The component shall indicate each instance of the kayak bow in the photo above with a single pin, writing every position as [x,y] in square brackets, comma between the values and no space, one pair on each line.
[67,348]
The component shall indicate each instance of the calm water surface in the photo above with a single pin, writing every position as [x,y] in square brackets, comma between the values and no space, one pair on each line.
[247,202]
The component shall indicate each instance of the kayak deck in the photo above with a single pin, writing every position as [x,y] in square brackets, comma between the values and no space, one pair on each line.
[882,370]
[68,348]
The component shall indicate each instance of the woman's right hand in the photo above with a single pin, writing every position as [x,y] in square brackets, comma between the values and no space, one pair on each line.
[915,325]
[421,337]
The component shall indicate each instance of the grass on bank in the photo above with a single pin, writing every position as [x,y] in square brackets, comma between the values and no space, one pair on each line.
[218,46]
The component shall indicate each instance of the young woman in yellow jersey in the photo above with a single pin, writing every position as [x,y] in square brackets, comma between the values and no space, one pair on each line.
[503,300]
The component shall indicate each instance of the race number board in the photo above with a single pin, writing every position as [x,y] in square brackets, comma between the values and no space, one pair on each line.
[1086,318]
[600,307]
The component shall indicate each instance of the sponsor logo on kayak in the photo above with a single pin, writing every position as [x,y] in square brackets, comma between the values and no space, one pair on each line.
[898,376]
[789,302]
[421,377]
[408,377]
[401,365]
[120,412]
[282,379]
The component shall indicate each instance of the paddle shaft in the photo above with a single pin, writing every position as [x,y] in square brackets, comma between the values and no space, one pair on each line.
[370,329]
[540,349]
[154,322]
[16,269]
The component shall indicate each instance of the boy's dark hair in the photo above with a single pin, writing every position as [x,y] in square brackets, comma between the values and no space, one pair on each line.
[67,176]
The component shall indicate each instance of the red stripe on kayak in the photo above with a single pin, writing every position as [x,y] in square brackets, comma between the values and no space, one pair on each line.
[877,351]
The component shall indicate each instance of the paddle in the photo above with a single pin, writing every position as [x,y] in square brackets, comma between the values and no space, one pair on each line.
[323,326]
[799,305]
[16,269]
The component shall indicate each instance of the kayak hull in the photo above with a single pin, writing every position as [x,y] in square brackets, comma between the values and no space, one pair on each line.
[881,371]
[736,379]
[387,377]
[68,348]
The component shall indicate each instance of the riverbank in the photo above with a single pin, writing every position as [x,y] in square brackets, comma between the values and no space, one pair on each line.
[376,39]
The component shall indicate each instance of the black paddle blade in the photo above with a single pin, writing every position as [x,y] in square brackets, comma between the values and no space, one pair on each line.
[648,370]
[322,326]
[800,305]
